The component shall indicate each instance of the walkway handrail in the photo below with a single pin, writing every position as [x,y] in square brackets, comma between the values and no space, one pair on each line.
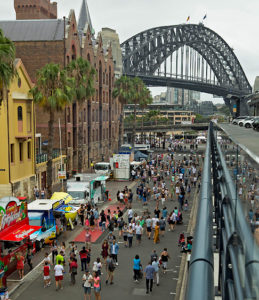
[201,274]
[238,252]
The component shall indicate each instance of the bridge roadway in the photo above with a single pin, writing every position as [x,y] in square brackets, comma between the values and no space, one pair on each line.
[153,127]
[246,138]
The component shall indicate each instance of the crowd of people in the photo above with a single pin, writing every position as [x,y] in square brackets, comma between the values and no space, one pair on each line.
[159,181]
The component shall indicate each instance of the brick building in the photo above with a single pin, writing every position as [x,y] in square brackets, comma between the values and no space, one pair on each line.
[41,41]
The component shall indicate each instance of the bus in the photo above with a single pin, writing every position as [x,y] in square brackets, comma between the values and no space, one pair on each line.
[103,168]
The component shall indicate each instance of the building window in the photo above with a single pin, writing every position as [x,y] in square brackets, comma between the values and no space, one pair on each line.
[84,137]
[21,151]
[97,118]
[68,59]
[84,115]
[93,115]
[12,153]
[29,121]
[29,150]
[19,113]
[69,139]
[68,115]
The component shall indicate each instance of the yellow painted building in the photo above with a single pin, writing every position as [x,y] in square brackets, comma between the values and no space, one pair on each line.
[17,133]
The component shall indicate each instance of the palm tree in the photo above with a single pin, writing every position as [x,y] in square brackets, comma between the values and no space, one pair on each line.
[7,57]
[84,75]
[123,91]
[145,100]
[53,91]
[136,95]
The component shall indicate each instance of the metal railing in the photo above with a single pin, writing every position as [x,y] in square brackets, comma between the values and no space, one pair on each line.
[200,281]
[40,158]
[238,252]
[238,263]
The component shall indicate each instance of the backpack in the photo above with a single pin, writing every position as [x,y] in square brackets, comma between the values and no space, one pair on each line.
[111,266]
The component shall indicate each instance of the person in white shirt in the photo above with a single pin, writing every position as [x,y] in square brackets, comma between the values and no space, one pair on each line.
[130,215]
[59,270]
[155,265]
[138,231]
[87,280]
[154,222]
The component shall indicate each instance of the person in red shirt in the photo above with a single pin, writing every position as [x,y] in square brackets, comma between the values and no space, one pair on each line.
[83,257]
[73,270]
[46,275]
[20,265]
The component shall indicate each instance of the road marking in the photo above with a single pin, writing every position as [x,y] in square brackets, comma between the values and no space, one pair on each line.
[169,270]
[172,293]
[175,271]
[120,242]
[179,255]
[175,278]
[177,266]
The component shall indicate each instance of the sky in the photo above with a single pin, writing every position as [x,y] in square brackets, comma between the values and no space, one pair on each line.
[236,21]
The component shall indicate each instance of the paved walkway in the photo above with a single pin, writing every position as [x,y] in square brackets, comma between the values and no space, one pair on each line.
[124,287]
[246,138]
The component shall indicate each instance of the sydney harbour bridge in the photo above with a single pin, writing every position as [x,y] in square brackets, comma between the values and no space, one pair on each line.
[187,56]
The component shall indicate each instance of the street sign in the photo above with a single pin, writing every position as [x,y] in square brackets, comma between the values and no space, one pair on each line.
[62,175]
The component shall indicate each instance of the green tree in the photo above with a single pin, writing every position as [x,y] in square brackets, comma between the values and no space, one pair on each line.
[84,77]
[7,68]
[145,100]
[123,91]
[53,91]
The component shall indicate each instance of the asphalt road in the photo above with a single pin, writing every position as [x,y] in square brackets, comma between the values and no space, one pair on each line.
[124,287]
[247,138]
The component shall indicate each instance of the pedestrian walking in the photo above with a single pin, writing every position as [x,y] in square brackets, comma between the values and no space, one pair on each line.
[156,234]
[97,286]
[88,239]
[87,281]
[105,250]
[83,257]
[130,235]
[46,274]
[138,231]
[164,258]
[155,264]
[136,268]
[148,226]
[20,265]
[110,269]
[149,275]
[59,271]
[114,251]
[73,270]
[29,258]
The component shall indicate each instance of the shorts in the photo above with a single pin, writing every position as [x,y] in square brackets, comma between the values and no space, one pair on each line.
[138,236]
[162,228]
[46,277]
[97,289]
[58,278]
[149,229]
[87,290]
[164,263]
[125,238]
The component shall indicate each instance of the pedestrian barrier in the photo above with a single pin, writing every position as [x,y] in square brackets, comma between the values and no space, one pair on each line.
[238,276]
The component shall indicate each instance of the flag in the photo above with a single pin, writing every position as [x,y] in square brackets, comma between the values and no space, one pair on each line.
[205,17]
[188,19]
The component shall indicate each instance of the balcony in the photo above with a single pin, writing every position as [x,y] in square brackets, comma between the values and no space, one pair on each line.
[41,158]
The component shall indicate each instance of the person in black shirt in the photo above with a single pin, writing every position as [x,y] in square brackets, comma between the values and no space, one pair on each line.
[157,212]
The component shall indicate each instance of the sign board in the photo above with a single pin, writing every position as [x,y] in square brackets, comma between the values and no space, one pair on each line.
[186,122]
[121,161]
[62,175]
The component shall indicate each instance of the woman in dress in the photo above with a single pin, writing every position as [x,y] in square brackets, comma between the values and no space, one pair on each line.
[156,234]
[20,265]
[105,248]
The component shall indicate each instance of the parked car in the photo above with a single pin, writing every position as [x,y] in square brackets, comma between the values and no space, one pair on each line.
[242,122]
[238,119]
[248,123]
[256,124]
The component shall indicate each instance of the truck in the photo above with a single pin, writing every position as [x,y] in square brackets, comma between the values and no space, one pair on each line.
[87,187]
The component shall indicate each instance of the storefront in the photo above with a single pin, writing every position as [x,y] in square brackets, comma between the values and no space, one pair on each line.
[15,233]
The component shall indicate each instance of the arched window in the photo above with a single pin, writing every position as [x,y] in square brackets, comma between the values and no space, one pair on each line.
[73,52]
[19,113]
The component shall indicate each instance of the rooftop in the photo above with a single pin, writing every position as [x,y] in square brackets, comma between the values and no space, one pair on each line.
[33,30]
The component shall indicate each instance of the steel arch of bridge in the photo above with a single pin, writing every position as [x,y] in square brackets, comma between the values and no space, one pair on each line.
[146,51]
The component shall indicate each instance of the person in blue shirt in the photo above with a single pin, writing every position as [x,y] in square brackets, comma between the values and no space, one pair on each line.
[136,268]
[149,274]
[164,213]
[114,249]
